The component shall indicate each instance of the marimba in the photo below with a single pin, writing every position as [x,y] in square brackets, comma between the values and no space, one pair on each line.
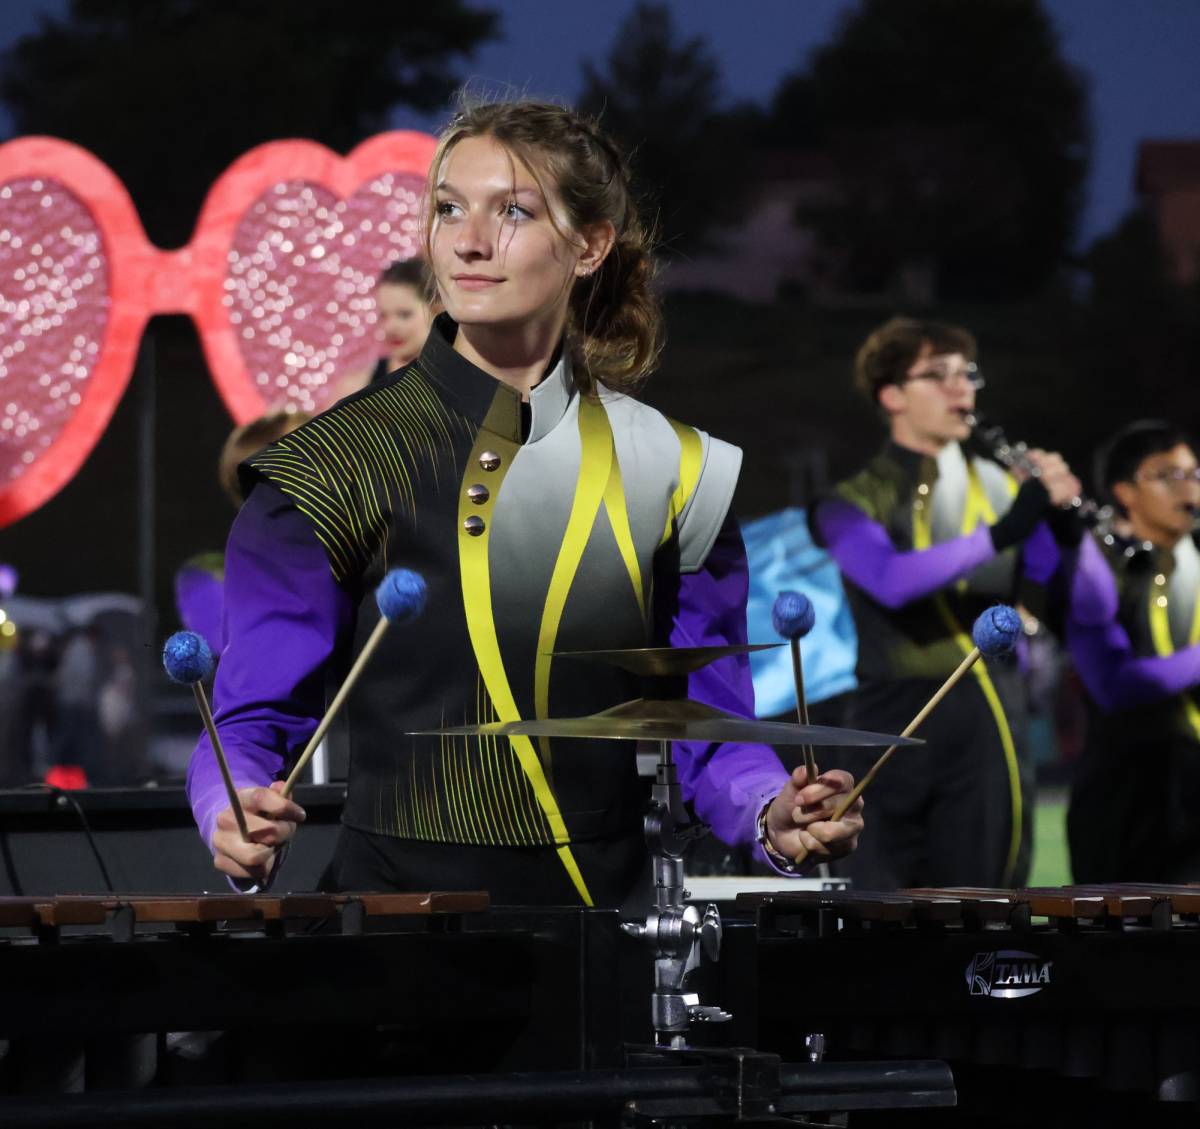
[1088,982]
[178,1010]
[419,1009]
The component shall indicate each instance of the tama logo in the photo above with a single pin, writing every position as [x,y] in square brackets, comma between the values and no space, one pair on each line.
[1008,974]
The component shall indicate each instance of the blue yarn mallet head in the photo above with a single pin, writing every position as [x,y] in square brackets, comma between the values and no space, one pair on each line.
[996,631]
[793,615]
[401,596]
[187,658]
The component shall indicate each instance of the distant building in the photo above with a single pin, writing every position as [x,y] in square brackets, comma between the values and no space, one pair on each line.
[768,256]
[1168,182]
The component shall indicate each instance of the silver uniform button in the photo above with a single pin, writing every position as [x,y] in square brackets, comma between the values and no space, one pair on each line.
[478,494]
[489,460]
[474,525]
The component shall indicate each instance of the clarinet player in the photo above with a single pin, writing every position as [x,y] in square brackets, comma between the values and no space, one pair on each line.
[1133,631]
[926,537]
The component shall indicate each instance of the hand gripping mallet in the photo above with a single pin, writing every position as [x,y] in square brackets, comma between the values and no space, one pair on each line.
[793,618]
[189,661]
[996,633]
[401,598]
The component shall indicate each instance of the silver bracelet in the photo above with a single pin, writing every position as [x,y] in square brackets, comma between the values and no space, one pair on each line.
[779,861]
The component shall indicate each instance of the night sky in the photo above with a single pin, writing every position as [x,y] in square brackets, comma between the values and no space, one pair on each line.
[1143,58]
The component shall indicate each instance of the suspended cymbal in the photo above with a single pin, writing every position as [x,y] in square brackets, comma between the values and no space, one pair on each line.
[650,662]
[718,729]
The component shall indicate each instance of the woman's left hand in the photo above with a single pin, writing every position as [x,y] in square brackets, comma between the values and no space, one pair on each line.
[800,817]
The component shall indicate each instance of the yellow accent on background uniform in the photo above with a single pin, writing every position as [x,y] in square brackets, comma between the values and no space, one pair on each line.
[979,508]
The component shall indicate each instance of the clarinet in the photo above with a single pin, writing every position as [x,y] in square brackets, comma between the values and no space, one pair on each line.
[1015,456]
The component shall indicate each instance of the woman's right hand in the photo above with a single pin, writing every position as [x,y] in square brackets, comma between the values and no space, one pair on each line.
[271,820]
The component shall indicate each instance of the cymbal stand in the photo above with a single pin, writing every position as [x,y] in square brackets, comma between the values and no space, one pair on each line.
[675,931]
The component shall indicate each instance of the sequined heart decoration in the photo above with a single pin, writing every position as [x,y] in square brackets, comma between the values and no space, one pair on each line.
[299,264]
[279,278]
[73,268]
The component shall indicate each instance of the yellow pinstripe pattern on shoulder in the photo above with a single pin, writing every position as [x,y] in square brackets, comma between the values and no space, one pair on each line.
[350,469]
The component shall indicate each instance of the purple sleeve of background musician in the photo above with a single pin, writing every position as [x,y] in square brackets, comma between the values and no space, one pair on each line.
[732,782]
[1116,678]
[283,615]
[865,553]
[199,599]
[1040,555]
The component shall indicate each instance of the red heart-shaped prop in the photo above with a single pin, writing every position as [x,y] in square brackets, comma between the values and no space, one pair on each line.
[289,244]
[278,277]
[74,268]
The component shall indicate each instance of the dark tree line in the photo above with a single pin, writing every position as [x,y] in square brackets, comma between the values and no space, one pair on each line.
[169,92]
[661,98]
[956,132]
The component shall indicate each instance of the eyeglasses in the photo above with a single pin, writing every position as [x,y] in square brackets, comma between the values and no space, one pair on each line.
[1171,479]
[946,376]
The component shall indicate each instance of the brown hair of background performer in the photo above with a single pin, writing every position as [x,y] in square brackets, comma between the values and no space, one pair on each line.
[250,437]
[405,306]
[614,322]
[891,350]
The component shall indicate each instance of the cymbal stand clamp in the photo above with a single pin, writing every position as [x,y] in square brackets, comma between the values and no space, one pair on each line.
[676,931]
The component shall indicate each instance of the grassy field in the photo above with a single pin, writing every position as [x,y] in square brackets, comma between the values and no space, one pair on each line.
[1051,861]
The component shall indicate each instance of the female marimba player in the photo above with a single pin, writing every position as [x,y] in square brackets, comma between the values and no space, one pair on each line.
[548,511]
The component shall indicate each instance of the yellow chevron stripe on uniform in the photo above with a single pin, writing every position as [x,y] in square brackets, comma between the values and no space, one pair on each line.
[477,601]
[1160,632]
[596,456]
[979,508]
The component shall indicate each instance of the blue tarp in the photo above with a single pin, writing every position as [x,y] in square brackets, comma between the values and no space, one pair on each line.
[782,556]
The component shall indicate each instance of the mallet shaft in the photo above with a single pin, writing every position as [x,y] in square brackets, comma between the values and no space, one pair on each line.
[357,669]
[926,709]
[222,763]
[810,761]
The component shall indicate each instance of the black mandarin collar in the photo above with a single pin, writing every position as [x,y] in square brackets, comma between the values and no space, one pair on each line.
[912,463]
[481,397]
[466,388]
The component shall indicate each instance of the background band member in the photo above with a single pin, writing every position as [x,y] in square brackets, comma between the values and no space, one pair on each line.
[405,304]
[926,537]
[548,511]
[200,581]
[1133,630]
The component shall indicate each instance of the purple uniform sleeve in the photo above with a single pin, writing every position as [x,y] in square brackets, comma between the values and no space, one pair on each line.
[284,613]
[1040,555]
[199,599]
[729,783]
[1116,678]
[281,600]
[865,553]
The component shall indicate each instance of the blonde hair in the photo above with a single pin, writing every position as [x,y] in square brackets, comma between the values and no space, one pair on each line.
[249,439]
[614,322]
